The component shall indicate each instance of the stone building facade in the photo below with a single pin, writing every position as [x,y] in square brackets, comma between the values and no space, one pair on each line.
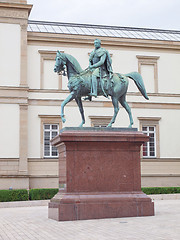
[31,95]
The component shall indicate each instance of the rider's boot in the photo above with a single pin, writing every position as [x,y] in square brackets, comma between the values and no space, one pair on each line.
[88,98]
[94,86]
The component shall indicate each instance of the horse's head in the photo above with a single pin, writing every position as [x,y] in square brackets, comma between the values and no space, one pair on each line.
[60,63]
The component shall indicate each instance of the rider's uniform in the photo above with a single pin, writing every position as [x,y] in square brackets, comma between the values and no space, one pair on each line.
[105,69]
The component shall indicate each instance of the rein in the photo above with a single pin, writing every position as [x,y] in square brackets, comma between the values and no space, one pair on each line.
[83,72]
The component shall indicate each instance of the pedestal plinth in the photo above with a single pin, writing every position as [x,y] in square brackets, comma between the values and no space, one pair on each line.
[103,177]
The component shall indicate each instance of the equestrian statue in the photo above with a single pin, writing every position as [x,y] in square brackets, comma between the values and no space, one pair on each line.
[96,80]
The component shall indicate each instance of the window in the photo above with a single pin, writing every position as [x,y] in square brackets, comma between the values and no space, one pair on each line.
[50,131]
[149,148]
[148,68]
[49,80]
[150,126]
[50,126]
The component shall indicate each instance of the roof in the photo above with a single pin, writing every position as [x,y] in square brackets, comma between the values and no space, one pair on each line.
[102,30]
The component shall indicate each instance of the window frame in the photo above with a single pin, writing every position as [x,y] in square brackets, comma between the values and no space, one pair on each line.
[151,122]
[50,131]
[149,60]
[148,132]
[47,119]
[44,56]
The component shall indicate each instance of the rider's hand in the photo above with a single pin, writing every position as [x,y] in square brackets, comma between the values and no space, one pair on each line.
[91,67]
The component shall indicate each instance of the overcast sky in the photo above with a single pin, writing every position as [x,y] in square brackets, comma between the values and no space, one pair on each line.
[163,14]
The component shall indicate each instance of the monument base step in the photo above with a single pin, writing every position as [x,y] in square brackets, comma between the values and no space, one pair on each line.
[81,206]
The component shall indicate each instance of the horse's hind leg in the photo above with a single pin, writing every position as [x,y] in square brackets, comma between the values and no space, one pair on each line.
[79,103]
[116,110]
[123,102]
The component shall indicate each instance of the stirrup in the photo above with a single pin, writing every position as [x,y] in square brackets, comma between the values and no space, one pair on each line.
[88,98]
[93,95]
[106,96]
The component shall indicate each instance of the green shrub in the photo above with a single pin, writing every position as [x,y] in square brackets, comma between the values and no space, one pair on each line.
[13,195]
[48,193]
[42,194]
[161,190]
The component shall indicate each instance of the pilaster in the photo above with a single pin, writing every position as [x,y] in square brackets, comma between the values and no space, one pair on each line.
[23,139]
[16,12]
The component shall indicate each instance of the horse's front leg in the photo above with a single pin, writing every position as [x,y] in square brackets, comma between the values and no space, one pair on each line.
[79,103]
[67,100]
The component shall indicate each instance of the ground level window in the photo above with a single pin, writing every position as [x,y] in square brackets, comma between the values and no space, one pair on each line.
[151,127]
[50,131]
[149,148]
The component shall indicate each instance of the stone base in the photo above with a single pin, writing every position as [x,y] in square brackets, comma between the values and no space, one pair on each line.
[103,176]
[81,206]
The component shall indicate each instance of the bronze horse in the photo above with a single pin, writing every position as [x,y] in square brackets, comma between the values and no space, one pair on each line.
[79,84]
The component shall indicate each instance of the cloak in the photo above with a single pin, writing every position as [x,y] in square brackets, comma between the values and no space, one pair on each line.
[100,52]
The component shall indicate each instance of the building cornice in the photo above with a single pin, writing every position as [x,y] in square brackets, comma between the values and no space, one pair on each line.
[17,6]
[54,38]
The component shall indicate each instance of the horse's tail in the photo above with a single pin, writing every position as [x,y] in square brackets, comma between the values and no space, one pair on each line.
[139,82]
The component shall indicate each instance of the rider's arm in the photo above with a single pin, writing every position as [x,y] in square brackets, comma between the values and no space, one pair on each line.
[90,59]
[101,61]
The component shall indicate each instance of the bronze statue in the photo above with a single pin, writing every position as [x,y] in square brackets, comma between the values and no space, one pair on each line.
[99,73]
[100,65]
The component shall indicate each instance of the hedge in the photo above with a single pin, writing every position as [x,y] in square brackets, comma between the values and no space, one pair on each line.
[161,190]
[13,195]
[48,193]
[42,194]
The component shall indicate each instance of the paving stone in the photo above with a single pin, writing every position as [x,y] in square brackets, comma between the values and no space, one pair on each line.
[32,223]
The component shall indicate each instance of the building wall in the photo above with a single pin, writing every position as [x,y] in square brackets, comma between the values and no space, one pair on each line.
[164,104]
[31,94]
[13,94]
[124,61]
[10,50]
[9,131]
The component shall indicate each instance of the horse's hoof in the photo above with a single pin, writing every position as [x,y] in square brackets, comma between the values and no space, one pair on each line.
[63,120]
[81,125]
[130,126]
[109,125]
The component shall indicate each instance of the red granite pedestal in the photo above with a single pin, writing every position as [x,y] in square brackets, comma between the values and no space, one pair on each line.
[103,177]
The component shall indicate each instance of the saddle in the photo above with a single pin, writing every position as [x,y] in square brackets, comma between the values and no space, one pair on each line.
[121,77]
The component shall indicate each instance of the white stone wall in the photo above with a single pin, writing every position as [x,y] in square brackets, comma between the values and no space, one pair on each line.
[124,61]
[9,131]
[10,44]
[169,72]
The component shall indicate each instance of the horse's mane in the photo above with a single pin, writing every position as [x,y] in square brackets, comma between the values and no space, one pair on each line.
[74,63]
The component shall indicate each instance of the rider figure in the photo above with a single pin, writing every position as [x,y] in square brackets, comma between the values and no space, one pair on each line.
[100,65]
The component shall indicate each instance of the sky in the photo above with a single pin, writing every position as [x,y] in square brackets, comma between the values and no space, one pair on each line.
[160,14]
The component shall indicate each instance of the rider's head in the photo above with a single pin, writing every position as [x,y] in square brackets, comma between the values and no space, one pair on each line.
[97,43]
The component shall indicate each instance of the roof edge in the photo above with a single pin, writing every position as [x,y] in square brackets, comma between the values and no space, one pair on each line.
[103,26]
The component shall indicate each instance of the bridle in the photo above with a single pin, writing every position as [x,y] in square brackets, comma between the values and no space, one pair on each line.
[62,72]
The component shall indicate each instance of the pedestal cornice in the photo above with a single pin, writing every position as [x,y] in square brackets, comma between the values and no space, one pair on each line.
[99,134]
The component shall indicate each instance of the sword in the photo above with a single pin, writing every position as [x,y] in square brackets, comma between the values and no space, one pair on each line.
[100,71]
